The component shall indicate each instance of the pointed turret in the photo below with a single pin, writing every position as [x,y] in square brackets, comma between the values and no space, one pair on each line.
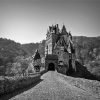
[36,55]
[70,36]
[63,30]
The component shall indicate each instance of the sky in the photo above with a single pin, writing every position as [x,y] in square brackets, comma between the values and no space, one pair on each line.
[27,21]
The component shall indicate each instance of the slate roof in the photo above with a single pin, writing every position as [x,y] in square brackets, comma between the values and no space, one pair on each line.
[36,55]
[66,42]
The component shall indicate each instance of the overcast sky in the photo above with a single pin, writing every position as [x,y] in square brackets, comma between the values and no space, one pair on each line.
[27,21]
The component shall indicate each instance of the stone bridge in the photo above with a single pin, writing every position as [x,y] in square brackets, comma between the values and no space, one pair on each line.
[52,87]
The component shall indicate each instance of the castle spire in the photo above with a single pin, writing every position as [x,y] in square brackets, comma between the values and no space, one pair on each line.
[63,30]
[36,55]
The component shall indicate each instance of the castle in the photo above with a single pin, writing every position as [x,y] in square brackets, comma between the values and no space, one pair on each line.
[59,50]
[60,54]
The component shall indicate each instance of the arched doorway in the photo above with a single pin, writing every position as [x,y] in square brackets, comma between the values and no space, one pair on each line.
[51,66]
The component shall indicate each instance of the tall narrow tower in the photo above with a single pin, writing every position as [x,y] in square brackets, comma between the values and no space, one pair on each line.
[51,38]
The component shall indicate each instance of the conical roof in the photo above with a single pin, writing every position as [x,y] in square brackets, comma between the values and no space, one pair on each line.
[36,55]
[63,30]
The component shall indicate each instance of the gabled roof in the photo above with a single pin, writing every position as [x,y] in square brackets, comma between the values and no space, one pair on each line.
[66,42]
[62,41]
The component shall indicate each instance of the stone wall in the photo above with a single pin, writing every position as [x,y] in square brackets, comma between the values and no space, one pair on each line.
[10,84]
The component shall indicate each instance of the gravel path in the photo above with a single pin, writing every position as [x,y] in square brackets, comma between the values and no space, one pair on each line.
[54,88]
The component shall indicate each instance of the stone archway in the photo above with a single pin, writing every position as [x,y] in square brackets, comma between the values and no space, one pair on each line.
[51,66]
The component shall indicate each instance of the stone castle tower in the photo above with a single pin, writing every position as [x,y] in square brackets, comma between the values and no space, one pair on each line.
[59,50]
[51,37]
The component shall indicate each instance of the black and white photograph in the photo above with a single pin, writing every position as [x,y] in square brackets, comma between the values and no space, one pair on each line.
[49,49]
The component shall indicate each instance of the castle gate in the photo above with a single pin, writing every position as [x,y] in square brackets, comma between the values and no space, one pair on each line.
[51,66]
[51,62]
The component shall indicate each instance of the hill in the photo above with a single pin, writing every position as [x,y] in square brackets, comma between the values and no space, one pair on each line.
[88,53]
[87,48]
[31,47]
[10,49]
